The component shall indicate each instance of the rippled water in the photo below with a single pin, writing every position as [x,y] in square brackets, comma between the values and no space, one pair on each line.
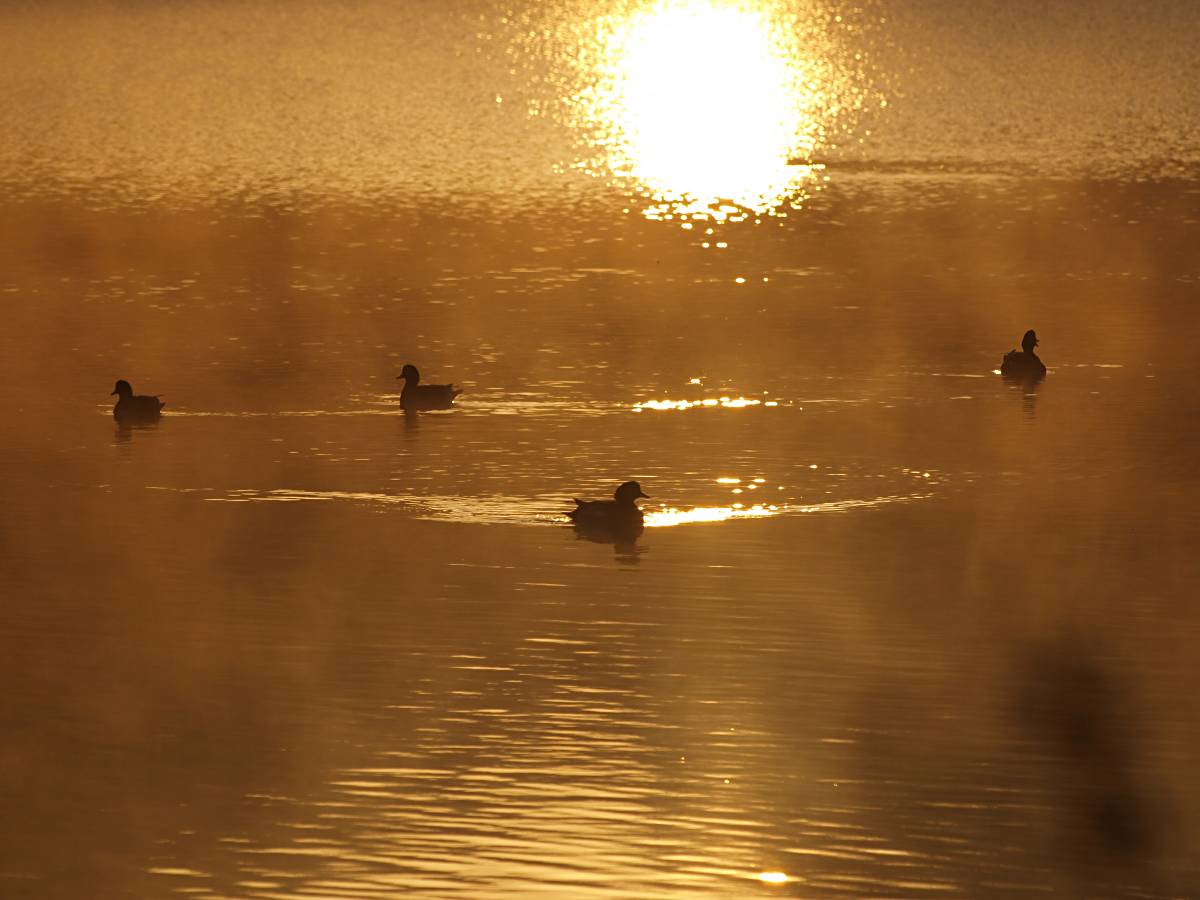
[894,628]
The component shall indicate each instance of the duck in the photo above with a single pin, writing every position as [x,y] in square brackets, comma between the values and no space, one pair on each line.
[1024,363]
[618,516]
[133,408]
[424,396]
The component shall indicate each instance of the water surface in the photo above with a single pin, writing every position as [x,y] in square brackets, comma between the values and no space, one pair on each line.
[897,628]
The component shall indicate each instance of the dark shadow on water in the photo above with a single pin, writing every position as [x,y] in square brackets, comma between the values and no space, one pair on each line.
[1074,705]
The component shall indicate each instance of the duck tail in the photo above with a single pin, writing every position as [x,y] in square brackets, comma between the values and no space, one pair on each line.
[572,513]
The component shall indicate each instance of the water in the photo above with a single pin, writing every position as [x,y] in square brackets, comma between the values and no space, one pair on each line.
[897,628]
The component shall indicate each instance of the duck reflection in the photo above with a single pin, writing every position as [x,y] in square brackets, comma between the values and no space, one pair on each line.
[125,430]
[1029,400]
[628,553]
[626,549]
[1028,389]
[123,437]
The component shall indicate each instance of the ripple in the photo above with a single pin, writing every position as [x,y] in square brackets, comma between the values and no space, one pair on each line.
[487,510]
[510,510]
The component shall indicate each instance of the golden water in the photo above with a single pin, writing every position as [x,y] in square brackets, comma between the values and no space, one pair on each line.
[894,628]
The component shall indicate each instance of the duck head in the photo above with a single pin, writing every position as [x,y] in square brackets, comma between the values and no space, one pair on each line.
[629,493]
[122,389]
[410,374]
[1029,341]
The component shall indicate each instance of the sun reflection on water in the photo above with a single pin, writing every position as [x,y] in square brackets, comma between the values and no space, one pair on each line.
[708,103]
[669,516]
[710,109]
[706,403]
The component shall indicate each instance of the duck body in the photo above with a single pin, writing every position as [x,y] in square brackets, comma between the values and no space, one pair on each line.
[619,517]
[132,408]
[1024,364]
[424,396]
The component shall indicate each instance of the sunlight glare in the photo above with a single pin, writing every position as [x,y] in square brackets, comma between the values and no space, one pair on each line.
[704,104]
[707,402]
[669,516]
[702,112]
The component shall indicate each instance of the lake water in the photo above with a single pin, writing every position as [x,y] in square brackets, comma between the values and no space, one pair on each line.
[896,628]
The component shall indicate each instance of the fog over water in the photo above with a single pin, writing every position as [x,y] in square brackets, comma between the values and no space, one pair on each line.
[895,626]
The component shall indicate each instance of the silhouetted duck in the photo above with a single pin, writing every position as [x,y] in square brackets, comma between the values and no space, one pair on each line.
[424,396]
[133,408]
[618,516]
[1024,363]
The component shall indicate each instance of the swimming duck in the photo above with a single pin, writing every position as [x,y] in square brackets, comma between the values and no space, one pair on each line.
[1024,363]
[424,396]
[619,515]
[133,408]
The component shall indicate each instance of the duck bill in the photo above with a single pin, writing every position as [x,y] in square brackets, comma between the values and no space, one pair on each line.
[643,496]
